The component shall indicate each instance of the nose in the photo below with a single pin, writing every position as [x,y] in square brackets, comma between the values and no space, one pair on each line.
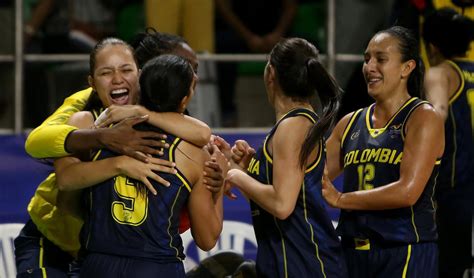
[369,65]
[117,77]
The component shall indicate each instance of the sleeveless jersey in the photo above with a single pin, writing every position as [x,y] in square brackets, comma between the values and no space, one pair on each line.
[305,244]
[123,221]
[457,164]
[372,159]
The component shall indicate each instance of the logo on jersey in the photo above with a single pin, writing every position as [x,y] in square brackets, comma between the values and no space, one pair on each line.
[395,130]
[355,134]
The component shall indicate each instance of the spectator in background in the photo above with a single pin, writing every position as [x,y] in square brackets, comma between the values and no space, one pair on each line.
[246,26]
[191,19]
[448,87]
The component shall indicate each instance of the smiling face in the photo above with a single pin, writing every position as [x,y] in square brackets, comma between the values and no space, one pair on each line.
[115,75]
[383,68]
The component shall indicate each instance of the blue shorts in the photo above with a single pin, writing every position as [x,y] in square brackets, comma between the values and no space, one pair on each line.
[104,266]
[36,256]
[368,259]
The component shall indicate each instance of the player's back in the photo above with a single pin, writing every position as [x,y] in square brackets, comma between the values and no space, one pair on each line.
[125,221]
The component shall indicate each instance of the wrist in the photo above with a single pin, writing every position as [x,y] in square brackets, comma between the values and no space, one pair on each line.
[141,111]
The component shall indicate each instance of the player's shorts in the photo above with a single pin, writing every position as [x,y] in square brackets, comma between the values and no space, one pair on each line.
[367,259]
[36,256]
[104,266]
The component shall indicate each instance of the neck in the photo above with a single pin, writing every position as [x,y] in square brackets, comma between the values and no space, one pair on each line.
[385,109]
[285,104]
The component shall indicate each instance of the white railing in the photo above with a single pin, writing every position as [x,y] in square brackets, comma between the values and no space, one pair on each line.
[19,58]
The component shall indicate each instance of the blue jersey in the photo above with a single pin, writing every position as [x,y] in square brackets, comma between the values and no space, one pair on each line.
[372,159]
[305,244]
[457,165]
[122,220]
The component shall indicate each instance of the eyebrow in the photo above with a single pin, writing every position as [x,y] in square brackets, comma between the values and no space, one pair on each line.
[111,67]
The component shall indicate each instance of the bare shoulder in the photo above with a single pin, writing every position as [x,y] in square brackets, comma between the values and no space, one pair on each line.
[82,119]
[425,115]
[190,160]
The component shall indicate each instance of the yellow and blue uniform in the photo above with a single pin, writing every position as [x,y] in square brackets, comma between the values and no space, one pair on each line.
[141,229]
[305,244]
[393,242]
[455,189]
[50,240]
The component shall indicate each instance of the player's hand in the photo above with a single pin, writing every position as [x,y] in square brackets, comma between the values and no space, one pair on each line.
[116,113]
[141,171]
[329,192]
[242,153]
[124,139]
[215,170]
[231,180]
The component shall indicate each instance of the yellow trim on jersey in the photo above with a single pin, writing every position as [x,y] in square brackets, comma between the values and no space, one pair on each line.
[405,268]
[311,230]
[265,152]
[41,255]
[169,224]
[351,121]
[361,244]
[375,132]
[283,248]
[318,159]
[455,146]
[414,225]
[171,149]
[408,116]
[185,183]
[461,86]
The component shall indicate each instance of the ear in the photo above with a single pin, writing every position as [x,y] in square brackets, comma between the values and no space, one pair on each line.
[90,80]
[184,103]
[407,68]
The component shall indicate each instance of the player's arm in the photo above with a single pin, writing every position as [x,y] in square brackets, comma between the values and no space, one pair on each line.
[188,128]
[424,143]
[334,160]
[437,90]
[48,140]
[205,207]
[279,199]
[73,174]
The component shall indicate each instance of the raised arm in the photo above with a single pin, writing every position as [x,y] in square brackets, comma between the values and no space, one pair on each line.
[424,144]
[279,199]
[188,128]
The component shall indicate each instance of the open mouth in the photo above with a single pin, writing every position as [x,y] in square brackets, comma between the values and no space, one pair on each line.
[373,80]
[119,96]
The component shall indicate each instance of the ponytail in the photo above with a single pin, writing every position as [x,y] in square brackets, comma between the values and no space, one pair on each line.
[330,95]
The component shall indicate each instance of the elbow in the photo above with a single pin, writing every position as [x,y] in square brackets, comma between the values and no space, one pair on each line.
[207,242]
[409,198]
[61,183]
[283,212]
[206,136]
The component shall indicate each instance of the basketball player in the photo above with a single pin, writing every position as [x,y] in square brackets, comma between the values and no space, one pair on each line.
[294,233]
[449,86]
[390,154]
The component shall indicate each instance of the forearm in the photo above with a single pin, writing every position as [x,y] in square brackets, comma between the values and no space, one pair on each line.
[264,195]
[81,175]
[206,218]
[391,196]
[289,12]
[84,140]
[232,20]
[188,128]
[48,140]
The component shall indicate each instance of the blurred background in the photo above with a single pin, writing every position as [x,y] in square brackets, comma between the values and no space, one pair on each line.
[44,58]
